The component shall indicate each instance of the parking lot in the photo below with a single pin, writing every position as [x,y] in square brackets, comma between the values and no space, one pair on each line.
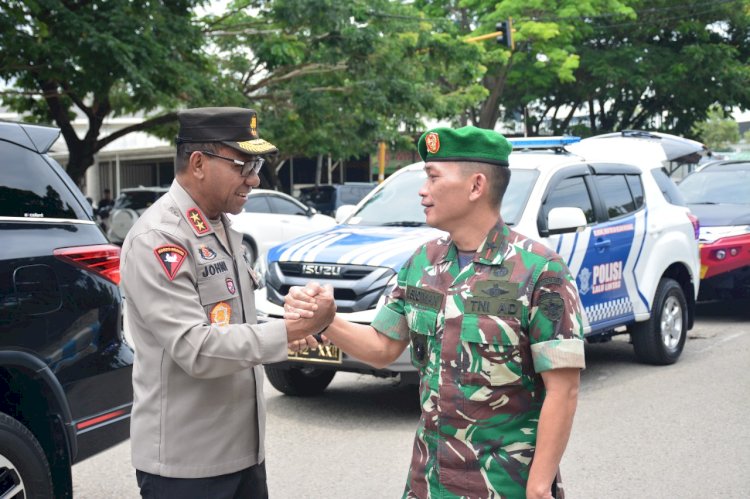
[640,431]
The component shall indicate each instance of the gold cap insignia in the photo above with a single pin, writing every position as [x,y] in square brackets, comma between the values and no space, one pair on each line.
[432,141]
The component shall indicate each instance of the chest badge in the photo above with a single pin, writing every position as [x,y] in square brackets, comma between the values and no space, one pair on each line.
[230,285]
[221,313]
[206,254]
[171,258]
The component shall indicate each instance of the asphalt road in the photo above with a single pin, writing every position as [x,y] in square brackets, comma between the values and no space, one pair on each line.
[678,431]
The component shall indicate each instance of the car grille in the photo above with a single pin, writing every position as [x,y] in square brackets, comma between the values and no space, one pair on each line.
[355,287]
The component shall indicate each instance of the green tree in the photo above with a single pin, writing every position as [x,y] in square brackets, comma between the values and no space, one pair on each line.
[100,58]
[332,77]
[662,70]
[718,131]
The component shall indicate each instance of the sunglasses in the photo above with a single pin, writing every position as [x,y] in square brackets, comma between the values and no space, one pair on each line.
[246,167]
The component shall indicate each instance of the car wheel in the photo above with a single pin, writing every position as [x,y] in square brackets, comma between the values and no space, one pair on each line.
[661,338]
[303,382]
[24,471]
[120,222]
[250,250]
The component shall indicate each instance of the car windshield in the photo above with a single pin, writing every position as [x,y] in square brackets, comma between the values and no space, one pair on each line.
[398,203]
[136,200]
[730,186]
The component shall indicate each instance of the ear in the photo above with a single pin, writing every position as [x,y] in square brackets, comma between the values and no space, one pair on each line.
[478,186]
[196,165]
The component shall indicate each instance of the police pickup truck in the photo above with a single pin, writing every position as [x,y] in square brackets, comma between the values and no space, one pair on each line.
[604,204]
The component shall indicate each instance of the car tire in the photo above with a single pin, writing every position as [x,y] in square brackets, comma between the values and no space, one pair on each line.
[120,222]
[23,463]
[249,250]
[301,382]
[661,338]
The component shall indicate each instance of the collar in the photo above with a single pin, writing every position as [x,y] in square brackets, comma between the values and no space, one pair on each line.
[490,252]
[190,211]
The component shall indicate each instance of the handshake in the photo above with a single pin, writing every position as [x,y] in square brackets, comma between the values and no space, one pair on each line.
[307,312]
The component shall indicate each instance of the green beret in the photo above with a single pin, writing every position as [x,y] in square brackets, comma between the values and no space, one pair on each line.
[468,143]
[234,127]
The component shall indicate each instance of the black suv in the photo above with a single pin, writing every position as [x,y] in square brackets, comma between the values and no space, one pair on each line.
[328,198]
[64,367]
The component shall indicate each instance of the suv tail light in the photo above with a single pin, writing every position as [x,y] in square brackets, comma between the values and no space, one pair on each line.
[102,259]
[696,225]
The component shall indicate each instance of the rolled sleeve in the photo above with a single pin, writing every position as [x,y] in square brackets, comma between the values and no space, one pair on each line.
[557,354]
[391,324]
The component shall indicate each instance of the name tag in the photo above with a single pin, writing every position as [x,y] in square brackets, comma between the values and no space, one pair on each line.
[424,298]
[501,307]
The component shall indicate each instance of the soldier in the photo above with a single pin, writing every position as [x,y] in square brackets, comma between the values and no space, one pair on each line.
[494,323]
[198,419]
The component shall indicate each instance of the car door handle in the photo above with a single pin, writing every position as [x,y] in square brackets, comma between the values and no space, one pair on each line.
[601,244]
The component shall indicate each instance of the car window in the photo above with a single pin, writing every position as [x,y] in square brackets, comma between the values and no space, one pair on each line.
[257,204]
[353,194]
[717,187]
[570,192]
[615,193]
[668,187]
[136,200]
[636,189]
[29,188]
[285,207]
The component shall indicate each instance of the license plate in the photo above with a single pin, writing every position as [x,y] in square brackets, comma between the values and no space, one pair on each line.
[324,354]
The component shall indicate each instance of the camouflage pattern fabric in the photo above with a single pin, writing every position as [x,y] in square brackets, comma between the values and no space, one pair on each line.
[480,336]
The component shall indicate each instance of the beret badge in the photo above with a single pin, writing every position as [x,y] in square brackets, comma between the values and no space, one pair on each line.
[432,141]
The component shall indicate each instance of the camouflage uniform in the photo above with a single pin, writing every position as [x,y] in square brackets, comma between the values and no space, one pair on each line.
[480,336]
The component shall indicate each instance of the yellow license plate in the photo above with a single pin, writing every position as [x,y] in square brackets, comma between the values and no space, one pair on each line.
[324,354]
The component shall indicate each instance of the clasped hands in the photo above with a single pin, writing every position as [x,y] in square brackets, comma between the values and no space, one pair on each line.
[308,311]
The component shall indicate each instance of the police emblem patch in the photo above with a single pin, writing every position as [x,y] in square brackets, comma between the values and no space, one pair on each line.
[230,285]
[432,141]
[221,313]
[206,253]
[195,217]
[551,305]
[170,257]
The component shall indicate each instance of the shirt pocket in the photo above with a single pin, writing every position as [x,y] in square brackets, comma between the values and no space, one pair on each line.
[490,351]
[422,328]
[212,291]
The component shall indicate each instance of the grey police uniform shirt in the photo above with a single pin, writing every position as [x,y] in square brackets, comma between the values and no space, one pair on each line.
[198,407]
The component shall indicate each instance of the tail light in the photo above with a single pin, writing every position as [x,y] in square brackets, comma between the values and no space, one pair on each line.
[102,259]
[696,225]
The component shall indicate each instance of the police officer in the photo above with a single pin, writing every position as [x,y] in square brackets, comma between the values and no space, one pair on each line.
[494,323]
[198,418]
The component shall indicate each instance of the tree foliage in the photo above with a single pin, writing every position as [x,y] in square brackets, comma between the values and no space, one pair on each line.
[662,69]
[99,58]
[331,77]
[718,131]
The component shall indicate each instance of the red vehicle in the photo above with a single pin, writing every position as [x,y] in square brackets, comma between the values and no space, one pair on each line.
[719,195]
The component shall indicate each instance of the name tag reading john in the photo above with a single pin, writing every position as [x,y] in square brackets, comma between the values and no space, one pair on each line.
[424,298]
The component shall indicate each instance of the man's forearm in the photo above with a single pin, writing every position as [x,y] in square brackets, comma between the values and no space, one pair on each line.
[364,342]
[553,432]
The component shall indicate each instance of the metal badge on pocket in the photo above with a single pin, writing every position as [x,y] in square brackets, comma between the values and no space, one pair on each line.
[419,348]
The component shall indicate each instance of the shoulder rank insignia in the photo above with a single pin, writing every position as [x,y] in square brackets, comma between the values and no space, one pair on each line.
[170,257]
[221,313]
[195,217]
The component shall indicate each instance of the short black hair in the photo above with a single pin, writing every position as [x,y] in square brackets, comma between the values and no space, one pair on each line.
[498,178]
[185,149]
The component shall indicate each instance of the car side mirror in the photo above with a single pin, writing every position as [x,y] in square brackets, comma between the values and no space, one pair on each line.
[565,219]
[311,211]
[343,212]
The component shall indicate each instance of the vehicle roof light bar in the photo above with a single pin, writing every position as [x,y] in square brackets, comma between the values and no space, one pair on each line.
[543,142]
